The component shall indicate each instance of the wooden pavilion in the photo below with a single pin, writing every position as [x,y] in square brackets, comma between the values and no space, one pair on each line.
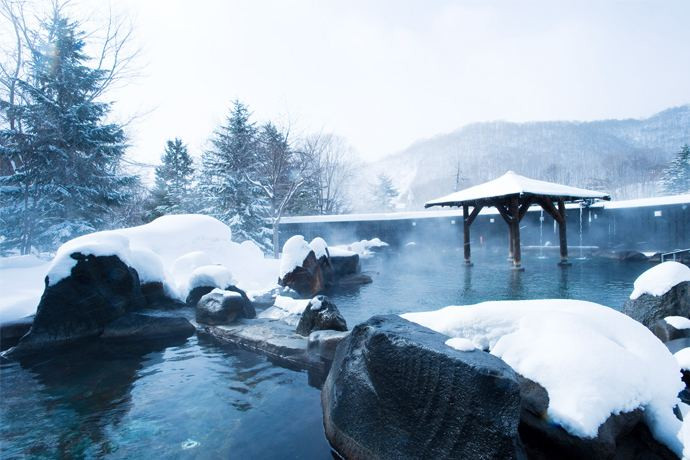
[513,194]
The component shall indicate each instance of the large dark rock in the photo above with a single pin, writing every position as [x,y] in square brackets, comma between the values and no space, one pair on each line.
[156,297]
[12,331]
[324,343]
[665,332]
[345,264]
[99,290]
[138,326]
[648,309]
[320,314]
[312,277]
[395,390]
[224,307]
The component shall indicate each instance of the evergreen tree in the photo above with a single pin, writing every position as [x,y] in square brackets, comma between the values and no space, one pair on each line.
[171,193]
[228,192]
[676,178]
[384,193]
[66,175]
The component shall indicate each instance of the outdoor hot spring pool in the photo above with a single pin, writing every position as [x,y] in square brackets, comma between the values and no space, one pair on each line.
[201,400]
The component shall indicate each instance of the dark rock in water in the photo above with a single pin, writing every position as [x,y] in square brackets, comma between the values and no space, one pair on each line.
[197,293]
[320,314]
[354,280]
[99,290]
[156,297]
[648,309]
[138,326]
[627,255]
[312,277]
[622,436]
[12,331]
[395,390]
[535,399]
[224,307]
[324,343]
[674,346]
[345,265]
[665,332]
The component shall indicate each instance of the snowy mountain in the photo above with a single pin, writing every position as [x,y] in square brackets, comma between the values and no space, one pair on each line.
[622,157]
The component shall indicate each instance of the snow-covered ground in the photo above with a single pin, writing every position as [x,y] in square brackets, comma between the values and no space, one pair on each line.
[593,361]
[21,284]
[181,251]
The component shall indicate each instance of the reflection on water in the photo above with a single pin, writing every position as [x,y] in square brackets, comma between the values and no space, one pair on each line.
[197,400]
[194,400]
[415,279]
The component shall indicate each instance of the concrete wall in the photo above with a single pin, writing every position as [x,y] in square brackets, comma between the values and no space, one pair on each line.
[660,227]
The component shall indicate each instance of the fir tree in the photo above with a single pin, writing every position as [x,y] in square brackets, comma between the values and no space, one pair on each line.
[676,178]
[66,175]
[171,193]
[228,192]
[384,193]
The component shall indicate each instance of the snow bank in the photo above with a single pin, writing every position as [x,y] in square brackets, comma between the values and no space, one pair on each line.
[592,360]
[285,309]
[172,249]
[658,280]
[683,358]
[678,322]
[295,250]
[461,344]
[363,247]
[21,284]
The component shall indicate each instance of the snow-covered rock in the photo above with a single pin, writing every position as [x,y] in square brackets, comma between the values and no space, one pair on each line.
[592,360]
[170,250]
[678,322]
[295,251]
[658,280]
[320,314]
[223,307]
[660,292]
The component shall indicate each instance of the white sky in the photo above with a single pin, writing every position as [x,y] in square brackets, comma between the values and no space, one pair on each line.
[384,74]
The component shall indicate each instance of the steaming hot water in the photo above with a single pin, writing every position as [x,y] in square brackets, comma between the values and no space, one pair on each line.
[198,400]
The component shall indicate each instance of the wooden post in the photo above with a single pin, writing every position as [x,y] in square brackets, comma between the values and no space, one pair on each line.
[514,211]
[561,232]
[466,233]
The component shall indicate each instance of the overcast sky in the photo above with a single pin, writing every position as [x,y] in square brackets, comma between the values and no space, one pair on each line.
[384,74]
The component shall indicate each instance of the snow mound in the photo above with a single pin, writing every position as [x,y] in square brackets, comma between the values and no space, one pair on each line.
[210,275]
[460,344]
[21,284]
[172,249]
[683,358]
[319,246]
[295,250]
[363,248]
[658,280]
[678,322]
[592,360]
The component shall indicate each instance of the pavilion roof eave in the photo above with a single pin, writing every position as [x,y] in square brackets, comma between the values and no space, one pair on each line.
[493,200]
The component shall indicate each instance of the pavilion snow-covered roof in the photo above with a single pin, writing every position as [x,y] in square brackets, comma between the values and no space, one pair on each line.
[510,185]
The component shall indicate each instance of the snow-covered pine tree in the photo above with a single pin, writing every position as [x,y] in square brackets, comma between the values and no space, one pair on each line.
[174,177]
[384,193]
[676,178]
[228,192]
[66,174]
[281,172]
